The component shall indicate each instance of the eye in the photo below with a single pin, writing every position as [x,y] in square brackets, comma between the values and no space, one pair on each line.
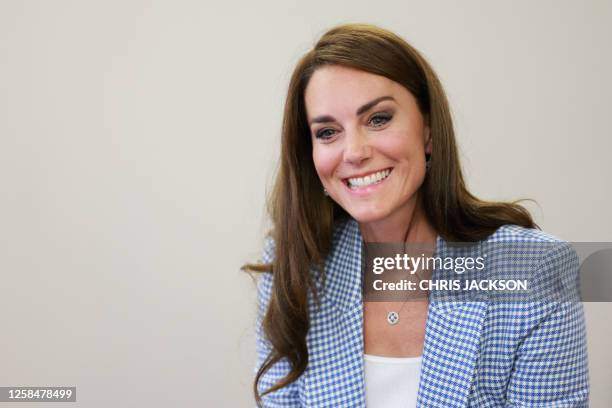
[322,134]
[380,119]
[377,120]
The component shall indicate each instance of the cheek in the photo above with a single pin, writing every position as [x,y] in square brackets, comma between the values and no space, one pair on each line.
[325,160]
[401,146]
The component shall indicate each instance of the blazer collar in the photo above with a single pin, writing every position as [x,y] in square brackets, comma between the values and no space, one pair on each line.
[452,334]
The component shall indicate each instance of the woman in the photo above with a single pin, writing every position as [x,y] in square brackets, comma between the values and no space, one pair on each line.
[368,155]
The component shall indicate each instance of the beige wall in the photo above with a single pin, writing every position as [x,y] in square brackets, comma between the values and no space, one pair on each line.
[137,139]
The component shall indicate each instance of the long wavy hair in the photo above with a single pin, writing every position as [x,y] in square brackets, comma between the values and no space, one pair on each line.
[303,218]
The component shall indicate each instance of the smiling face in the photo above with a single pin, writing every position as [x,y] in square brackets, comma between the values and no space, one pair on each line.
[369,141]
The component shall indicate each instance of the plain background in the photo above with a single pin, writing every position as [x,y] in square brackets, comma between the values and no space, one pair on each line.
[139,139]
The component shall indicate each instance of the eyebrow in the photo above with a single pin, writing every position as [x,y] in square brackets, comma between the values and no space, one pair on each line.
[362,109]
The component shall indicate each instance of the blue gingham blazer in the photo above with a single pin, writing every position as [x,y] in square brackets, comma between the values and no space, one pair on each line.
[476,353]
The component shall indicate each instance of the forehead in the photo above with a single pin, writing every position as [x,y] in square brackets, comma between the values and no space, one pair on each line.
[341,90]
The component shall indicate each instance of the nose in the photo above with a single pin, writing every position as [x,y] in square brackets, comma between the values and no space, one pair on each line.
[357,148]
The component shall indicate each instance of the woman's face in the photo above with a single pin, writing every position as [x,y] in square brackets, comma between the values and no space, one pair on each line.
[369,141]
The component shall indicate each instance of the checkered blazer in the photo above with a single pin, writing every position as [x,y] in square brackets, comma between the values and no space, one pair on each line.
[476,353]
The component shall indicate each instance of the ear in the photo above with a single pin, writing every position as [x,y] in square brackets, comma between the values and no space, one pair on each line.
[427,134]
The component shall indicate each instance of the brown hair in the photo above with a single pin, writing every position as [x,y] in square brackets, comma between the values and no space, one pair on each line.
[303,218]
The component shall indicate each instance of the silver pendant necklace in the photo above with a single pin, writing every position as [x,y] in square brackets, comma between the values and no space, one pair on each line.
[393,317]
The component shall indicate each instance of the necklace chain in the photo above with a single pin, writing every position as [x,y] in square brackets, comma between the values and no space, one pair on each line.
[393,317]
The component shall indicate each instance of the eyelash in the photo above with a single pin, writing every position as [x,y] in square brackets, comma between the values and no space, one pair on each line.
[387,117]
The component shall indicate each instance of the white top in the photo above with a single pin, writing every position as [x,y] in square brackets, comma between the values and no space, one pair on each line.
[391,382]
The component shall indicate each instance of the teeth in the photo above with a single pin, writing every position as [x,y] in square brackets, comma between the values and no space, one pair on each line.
[369,179]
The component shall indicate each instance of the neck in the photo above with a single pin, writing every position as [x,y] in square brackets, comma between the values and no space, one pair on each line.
[407,224]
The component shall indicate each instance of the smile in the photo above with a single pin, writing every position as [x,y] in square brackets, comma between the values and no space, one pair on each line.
[370,179]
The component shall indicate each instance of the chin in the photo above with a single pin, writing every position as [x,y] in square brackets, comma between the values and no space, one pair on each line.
[365,215]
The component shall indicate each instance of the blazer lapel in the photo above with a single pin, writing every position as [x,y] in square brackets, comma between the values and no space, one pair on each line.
[450,352]
[452,335]
[338,374]
[452,338]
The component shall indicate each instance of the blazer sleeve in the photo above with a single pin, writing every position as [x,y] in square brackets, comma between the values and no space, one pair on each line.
[286,397]
[551,368]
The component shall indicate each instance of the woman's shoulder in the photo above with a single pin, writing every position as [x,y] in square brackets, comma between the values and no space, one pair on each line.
[549,264]
[344,229]
[528,243]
